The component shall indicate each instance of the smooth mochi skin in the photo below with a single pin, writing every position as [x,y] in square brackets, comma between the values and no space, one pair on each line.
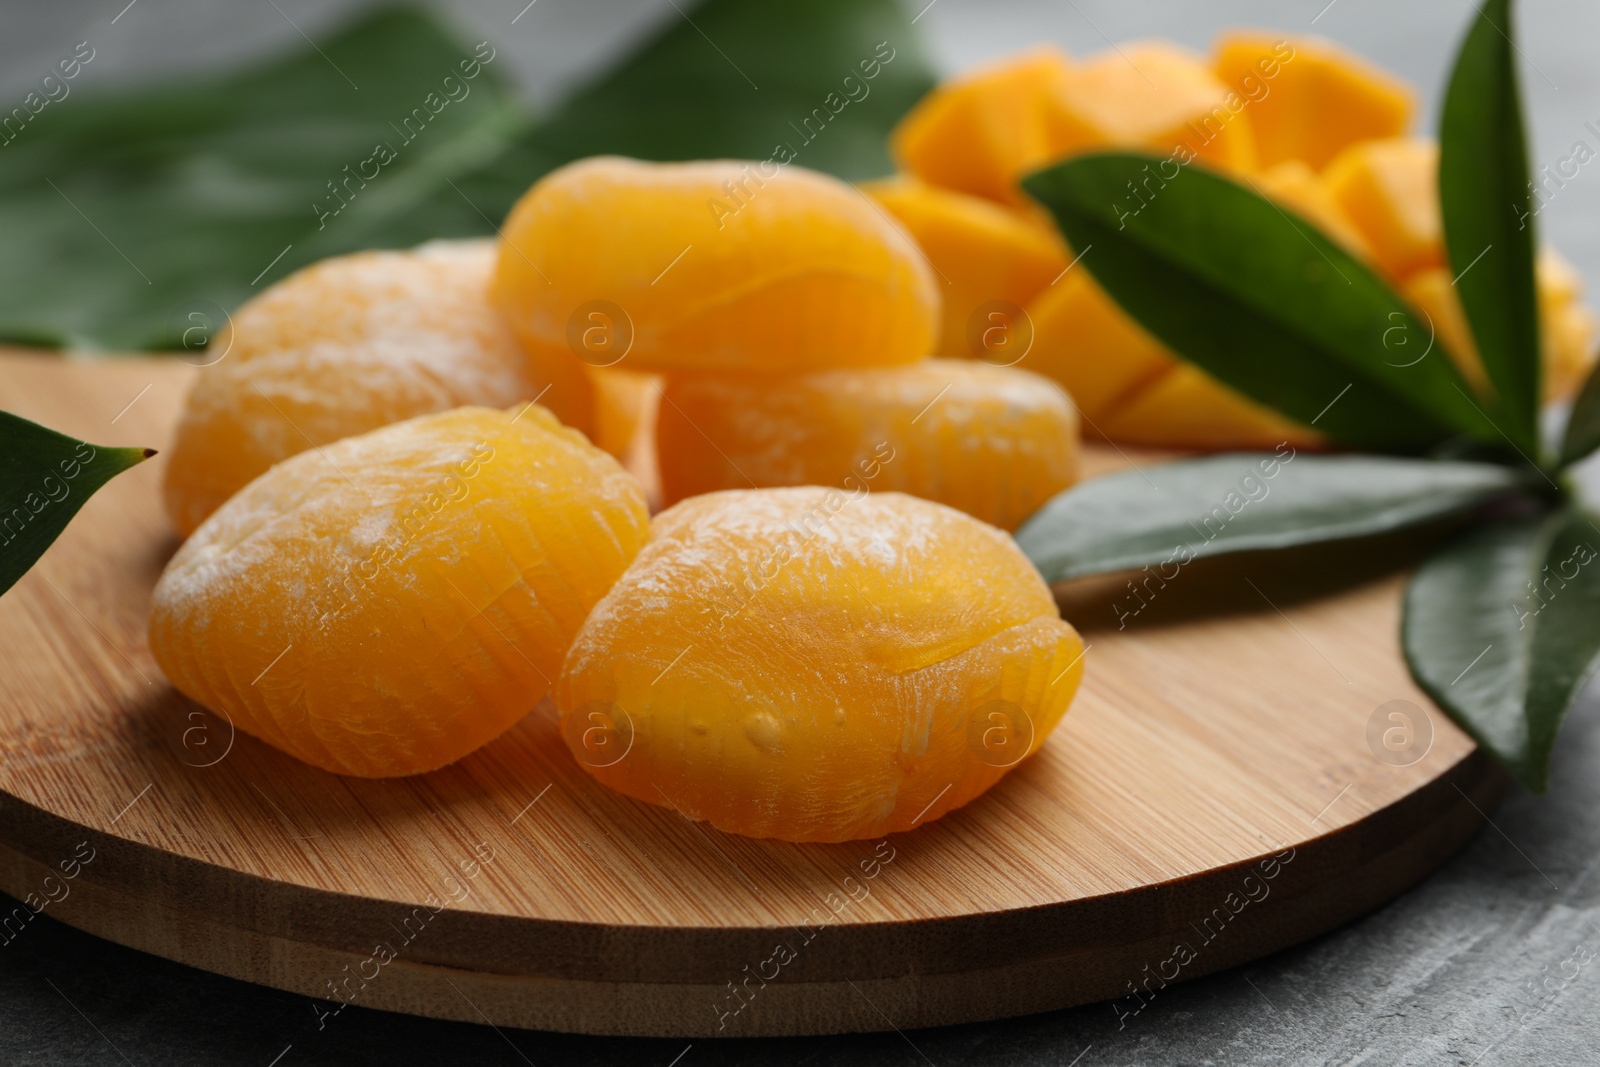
[994,442]
[717,265]
[387,604]
[815,665]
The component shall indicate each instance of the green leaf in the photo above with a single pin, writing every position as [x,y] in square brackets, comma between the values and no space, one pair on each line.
[1583,424]
[44,479]
[1260,299]
[776,74]
[1242,502]
[1502,628]
[123,215]
[124,212]
[1488,219]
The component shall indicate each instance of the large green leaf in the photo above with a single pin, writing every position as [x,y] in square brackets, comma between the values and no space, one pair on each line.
[44,479]
[1502,628]
[1177,512]
[120,215]
[823,79]
[1260,299]
[1488,218]
[730,79]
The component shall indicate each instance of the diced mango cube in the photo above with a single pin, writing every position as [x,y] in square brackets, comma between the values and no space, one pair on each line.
[1153,95]
[1309,99]
[979,133]
[1187,408]
[1389,189]
[1088,344]
[983,253]
[1300,189]
[1566,325]
[1430,292]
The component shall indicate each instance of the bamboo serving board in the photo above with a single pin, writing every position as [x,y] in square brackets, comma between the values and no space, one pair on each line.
[1226,784]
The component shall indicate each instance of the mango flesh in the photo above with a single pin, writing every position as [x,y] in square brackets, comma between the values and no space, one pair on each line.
[1088,344]
[790,663]
[1296,186]
[1302,122]
[1309,99]
[1566,328]
[387,604]
[1389,190]
[345,346]
[1187,408]
[994,442]
[982,253]
[978,134]
[1157,96]
[717,265]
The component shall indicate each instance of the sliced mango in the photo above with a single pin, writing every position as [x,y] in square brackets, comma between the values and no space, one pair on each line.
[1309,99]
[983,253]
[1389,189]
[1430,292]
[1153,95]
[1299,188]
[1566,325]
[1187,408]
[977,134]
[1088,344]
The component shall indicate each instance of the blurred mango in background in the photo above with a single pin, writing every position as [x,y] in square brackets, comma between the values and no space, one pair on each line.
[1299,120]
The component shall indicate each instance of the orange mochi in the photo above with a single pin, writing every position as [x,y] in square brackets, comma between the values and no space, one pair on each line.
[979,133]
[796,664]
[714,265]
[990,260]
[1310,99]
[995,442]
[387,604]
[348,345]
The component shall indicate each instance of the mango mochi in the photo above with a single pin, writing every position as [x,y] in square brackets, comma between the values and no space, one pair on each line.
[994,442]
[388,603]
[716,265]
[348,345]
[798,664]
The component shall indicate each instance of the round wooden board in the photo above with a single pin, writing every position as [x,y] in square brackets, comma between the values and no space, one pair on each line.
[1211,797]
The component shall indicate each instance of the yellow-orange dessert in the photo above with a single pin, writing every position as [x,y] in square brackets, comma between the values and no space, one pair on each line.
[388,603]
[715,265]
[345,346]
[993,442]
[801,664]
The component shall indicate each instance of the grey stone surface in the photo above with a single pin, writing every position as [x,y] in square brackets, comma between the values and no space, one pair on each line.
[1490,961]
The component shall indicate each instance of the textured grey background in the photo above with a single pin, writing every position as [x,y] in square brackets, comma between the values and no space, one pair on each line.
[1490,961]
